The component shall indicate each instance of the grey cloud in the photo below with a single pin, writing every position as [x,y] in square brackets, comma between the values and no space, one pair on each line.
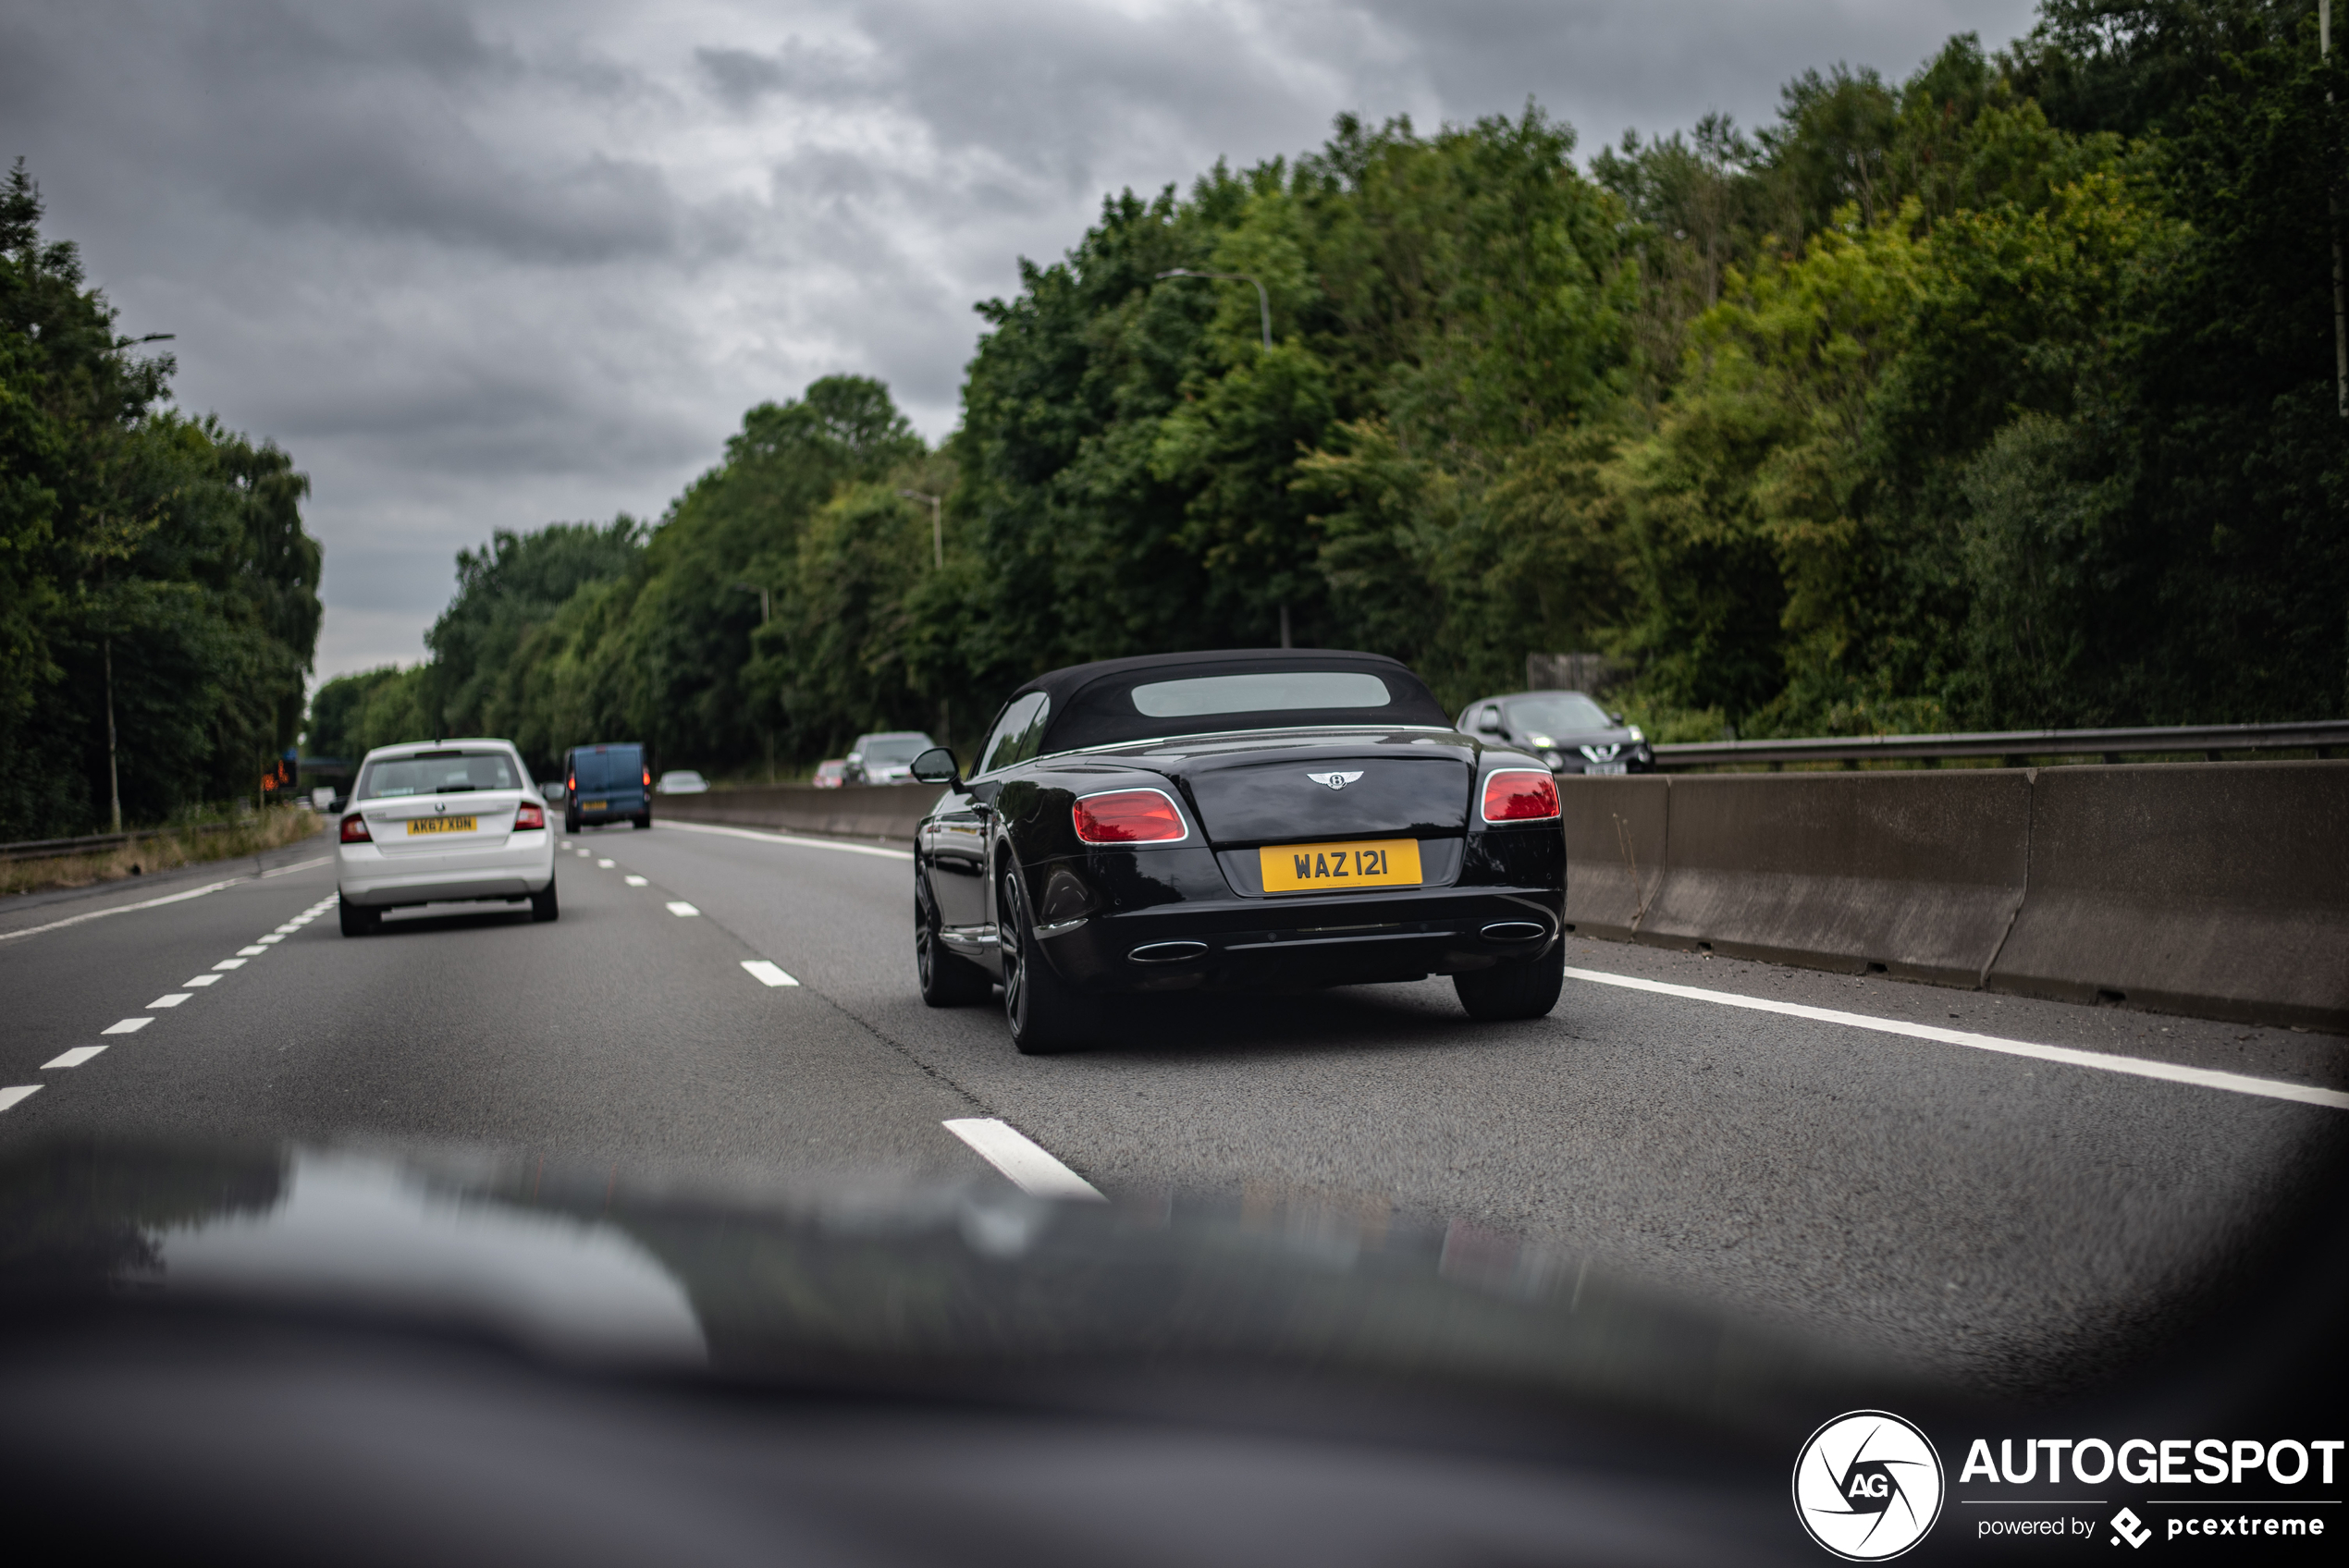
[484,264]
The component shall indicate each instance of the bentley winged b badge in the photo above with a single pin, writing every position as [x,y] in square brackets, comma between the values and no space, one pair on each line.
[1333,780]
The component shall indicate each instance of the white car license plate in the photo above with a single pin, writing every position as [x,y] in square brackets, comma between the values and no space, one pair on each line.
[1607,767]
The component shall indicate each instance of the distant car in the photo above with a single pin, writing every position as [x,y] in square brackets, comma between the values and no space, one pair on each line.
[1566,730]
[682,782]
[886,758]
[552,789]
[442,822]
[832,773]
[606,783]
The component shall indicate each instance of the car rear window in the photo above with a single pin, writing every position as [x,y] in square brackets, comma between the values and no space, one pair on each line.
[892,749]
[438,773]
[608,767]
[1557,712]
[1288,690]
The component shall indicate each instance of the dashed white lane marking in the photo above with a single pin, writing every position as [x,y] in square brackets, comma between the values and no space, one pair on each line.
[123,908]
[202,980]
[791,838]
[272,938]
[1031,1168]
[250,953]
[604,865]
[126,1026]
[2135,1067]
[17,1093]
[678,906]
[634,881]
[230,964]
[73,1057]
[767,973]
[584,855]
[566,843]
[290,926]
[174,1000]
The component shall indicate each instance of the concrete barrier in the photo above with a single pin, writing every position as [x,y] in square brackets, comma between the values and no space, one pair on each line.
[2214,888]
[883,812]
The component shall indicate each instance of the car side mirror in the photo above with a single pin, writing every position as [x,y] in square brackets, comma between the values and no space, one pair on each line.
[1614,718]
[938,766]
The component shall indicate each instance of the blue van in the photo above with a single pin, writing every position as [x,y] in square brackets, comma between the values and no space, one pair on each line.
[606,783]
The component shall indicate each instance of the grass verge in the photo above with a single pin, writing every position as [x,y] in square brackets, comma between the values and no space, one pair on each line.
[179,845]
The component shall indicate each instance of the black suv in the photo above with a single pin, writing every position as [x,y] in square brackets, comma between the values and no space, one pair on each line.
[1567,729]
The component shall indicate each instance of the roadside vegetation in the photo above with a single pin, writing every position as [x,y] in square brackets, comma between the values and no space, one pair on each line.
[194,839]
[2000,396]
[148,557]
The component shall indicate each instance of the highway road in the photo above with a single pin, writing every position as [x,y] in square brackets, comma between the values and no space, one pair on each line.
[2021,1218]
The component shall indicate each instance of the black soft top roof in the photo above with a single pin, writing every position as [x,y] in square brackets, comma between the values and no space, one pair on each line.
[1092,703]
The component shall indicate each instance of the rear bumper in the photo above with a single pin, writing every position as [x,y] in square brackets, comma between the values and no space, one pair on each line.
[365,876]
[1250,944]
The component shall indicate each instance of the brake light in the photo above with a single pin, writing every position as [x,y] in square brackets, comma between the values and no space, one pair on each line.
[1519,794]
[571,785]
[527,816]
[648,779]
[354,830]
[1129,816]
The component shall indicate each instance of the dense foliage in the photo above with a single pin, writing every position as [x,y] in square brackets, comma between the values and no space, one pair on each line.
[142,552]
[2002,395]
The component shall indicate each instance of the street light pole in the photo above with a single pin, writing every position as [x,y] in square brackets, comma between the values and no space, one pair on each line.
[1264,301]
[114,780]
[2332,207]
[937,524]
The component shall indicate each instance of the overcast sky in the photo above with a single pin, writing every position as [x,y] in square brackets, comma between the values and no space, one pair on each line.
[487,263]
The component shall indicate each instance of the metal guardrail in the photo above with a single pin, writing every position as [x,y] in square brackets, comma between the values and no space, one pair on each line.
[54,849]
[2012,746]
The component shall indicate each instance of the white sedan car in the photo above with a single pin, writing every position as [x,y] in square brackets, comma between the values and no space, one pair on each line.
[448,821]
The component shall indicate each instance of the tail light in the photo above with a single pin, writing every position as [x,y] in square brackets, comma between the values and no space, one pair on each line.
[1519,794]
[354,830]
[1129,816]
[648,779]
[527,816]
[571,785]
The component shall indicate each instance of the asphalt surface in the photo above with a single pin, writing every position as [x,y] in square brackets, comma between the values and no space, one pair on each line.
[2010,1219]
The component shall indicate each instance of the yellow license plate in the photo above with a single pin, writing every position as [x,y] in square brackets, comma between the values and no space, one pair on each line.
[440,824]
[595,806]
[1324,868]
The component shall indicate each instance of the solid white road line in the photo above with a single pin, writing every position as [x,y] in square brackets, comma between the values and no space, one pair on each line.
[124,908]
[16,1094]
[1020,1157]
[2135,1067]
[789,838]
[74,1058]
[634,881]
[298,865]
[126,1026]
[767,973]
[174,1000]
[679,907]
[202,980]
[230,964]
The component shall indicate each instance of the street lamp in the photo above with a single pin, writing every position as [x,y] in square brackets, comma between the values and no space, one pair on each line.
[1264,301]
[937,525]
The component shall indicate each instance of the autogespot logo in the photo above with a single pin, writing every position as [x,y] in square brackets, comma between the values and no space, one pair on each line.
[1867,1485]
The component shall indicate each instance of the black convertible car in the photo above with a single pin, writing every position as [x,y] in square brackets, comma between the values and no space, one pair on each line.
[1234,819]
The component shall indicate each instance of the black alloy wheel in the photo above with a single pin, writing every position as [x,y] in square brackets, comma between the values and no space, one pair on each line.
[1519,988]
[1045,1015]
[947,979]
[357,919]
[541,904]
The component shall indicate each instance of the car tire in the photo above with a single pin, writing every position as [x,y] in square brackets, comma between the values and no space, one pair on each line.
[570,823]
[542,906]
[1522,988]
[644,821]
[1045,1015]
[946,978]
[357,919]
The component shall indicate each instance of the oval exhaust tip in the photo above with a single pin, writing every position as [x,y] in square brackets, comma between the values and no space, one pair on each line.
[1515,931]
[1166,952]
